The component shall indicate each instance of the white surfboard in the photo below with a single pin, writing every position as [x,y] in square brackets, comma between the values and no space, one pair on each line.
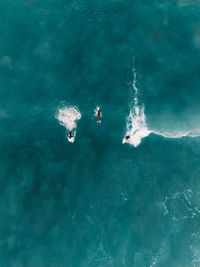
[124,140]
[71,140]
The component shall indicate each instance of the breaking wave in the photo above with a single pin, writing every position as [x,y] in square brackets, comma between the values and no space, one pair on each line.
[68,117]
[136,127]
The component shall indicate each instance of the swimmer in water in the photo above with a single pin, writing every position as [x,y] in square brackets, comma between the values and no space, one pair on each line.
[98,115]
[70,135]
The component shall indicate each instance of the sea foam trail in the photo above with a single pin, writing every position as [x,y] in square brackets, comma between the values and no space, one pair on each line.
[68,117]
[137,128]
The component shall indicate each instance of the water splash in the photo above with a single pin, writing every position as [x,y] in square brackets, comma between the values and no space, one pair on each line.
[136,127]
[68,117]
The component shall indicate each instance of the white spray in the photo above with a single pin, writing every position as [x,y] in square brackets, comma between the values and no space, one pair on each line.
[68,117]
[136,127]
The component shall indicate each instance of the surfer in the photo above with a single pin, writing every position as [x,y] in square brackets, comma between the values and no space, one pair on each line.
[127,137]
[98,115]
[70,135]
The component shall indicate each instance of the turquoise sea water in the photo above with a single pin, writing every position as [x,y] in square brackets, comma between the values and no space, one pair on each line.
[98,202]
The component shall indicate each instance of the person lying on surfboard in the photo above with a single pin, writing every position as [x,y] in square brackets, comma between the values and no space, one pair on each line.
[70,135]
[98,115]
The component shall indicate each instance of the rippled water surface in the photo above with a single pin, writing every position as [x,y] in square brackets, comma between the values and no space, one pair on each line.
[97,202]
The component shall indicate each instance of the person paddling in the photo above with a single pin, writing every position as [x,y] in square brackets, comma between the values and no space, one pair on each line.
[70,135]
[127,137]
[98,115]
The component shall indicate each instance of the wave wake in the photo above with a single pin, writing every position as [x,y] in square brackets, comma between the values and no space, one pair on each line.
[68,117]
[136,127]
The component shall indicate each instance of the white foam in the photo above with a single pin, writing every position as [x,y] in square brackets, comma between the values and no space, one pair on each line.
[137,128]
[178,134]
[68,117]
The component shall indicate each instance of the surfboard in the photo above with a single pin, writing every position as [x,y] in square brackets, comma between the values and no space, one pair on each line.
[71,140]
[124,140]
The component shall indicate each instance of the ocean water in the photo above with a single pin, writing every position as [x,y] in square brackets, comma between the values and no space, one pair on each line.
[99,201]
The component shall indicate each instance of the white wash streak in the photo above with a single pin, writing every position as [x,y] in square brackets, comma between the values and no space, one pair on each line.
[136,126]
